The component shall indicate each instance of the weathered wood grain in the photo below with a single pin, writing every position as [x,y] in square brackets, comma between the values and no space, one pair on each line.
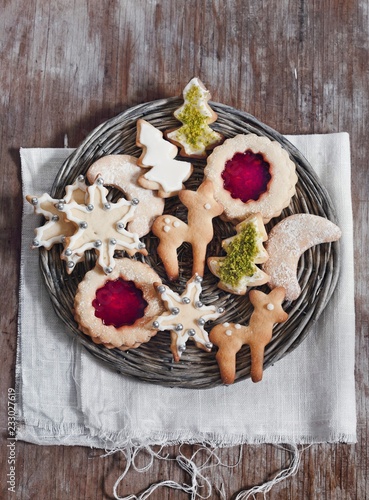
[300,66]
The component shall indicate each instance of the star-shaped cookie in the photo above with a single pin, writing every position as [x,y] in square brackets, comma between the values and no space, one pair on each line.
[186,316]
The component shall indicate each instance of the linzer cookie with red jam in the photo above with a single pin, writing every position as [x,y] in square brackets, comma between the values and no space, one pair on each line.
[114,310]
[251,174]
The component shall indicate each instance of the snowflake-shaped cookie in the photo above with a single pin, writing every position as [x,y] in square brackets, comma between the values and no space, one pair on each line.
[56,227]
[100,225]
[186,316]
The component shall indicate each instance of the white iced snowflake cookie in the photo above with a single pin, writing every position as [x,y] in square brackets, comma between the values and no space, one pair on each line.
[100,225]
[56,227]
[185,316]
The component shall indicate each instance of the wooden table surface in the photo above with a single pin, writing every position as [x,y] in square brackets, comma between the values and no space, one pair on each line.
[66,66]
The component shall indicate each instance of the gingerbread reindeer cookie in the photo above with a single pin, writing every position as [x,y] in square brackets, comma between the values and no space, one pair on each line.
[230,337]
[198,231]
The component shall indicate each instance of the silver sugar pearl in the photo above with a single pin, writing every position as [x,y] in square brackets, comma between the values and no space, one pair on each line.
[186,300]
[181,348]
[135,201]
[175,310]
[155,324]
[81,178]
[220,310]
[113,241]
[141,245]
[161,288]
[34,201]
[35,242]
[90,207]
[83,225]
[97,243]
[68,252]
[201,321]
[107,206]
[120,225]
[199,303]
[198,279]
[99,181]
[191,332]
[59,205]
[55,218]
[178,327]
[108,269]
[208,345]
[70,264]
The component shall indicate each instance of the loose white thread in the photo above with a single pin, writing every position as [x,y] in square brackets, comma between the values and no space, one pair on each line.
[198,480]
[289,471]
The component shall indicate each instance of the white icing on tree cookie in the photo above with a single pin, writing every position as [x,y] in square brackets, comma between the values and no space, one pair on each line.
[165,173]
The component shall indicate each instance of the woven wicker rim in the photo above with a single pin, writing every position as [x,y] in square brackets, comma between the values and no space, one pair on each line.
[152,362]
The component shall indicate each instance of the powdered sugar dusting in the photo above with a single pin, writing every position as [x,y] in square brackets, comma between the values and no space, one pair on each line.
[288,240]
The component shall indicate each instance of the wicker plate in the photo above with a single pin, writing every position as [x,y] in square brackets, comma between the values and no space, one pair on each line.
[152,362]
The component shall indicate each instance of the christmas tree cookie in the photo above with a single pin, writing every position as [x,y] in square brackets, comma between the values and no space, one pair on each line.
[195,136]
[164,173]
[237,270]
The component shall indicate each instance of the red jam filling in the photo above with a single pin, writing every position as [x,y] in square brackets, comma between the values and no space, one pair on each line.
[246,176]
[119,303]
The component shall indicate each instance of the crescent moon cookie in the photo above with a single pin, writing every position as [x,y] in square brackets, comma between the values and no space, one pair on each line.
[251,174]
[164,174]
[195,136]
[237,270]
[114,310]
[287,241]
[122,172]
[185,316]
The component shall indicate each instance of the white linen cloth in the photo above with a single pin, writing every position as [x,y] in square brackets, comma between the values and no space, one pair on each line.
[68,397]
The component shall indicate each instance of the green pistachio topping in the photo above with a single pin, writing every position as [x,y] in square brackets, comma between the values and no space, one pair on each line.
[195,130]
[241,253]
